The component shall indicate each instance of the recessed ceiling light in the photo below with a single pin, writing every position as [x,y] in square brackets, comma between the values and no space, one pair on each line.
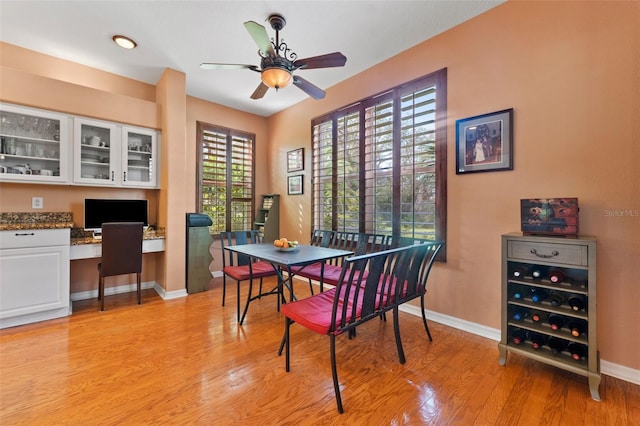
[124,42]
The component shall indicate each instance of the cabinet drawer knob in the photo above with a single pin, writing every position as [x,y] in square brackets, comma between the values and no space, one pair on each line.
[544,256]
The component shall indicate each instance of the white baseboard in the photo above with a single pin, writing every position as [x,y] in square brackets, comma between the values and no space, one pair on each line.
[608,368]
[167,295]
[126,288]
[108,291]
[620,372]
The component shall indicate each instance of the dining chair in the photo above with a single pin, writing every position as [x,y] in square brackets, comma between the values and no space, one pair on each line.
[241,267]
[121,254]
[393,277]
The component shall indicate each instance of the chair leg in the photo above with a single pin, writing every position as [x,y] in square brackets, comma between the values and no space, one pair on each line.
[260,291]
[334,373]
[396,330]
[287,345]
[310,286]
[224,288]
[139,288]
[246,307]
[424,318]
[101,293]
[238,300]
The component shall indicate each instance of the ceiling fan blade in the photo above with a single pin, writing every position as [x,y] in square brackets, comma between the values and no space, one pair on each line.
[310,89]
[214,66]
[259,35]
[335,59]
[260,91]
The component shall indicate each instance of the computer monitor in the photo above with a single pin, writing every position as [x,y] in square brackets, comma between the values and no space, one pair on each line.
[99,211]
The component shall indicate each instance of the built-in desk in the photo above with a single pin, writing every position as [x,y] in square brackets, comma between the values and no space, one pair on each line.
[83,248]
[35,254]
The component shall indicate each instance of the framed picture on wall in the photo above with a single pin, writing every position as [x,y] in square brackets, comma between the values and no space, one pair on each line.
[295,160]
[294,185]
[484,143]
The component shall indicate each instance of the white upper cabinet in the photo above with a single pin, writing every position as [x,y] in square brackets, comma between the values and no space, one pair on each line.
[96,146]
[139,157]
[33,145]
[47,147]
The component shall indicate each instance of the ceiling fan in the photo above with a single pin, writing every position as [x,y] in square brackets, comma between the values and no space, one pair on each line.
[278,61]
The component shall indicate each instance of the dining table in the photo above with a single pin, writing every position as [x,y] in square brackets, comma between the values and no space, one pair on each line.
[283,260]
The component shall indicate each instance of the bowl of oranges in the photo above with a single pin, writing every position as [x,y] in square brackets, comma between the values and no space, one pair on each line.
[285,245]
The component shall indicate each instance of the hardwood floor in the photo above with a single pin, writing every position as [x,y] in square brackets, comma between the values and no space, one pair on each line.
[185,361]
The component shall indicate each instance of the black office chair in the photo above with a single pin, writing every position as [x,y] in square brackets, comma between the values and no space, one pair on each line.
[121,254]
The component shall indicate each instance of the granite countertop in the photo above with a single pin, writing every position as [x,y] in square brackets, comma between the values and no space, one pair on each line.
[59,220]
[29,220]
[79,236]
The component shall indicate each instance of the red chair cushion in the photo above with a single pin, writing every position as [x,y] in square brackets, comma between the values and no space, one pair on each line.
[308,271]
[314,312]
[241,273]
[331,274]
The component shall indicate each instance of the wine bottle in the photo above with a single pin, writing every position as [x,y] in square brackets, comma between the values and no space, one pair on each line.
[538,294]
[556,345]
[576,302]
[520,314]
[578,350]
[537,316]
[556,276]
[519,336]
[556,298]
[518,293]
[519,272]
[537,339]
[538,272]
[577,327]
[556,321]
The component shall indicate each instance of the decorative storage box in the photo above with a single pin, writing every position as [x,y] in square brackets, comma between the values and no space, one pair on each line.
[549,216]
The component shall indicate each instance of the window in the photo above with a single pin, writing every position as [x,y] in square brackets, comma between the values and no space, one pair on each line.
[379,165]
[226,181]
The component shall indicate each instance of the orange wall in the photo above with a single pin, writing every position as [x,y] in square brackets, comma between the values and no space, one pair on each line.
[33,79]
[199,110]
[571,72]
[569,69]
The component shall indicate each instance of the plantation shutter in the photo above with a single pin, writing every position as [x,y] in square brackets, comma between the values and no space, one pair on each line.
[227,181]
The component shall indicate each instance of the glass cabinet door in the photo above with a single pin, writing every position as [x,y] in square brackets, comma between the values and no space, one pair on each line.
[33,145]
[139,160]
[96,145]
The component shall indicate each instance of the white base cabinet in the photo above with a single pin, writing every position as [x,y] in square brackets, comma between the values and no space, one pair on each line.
[34,276]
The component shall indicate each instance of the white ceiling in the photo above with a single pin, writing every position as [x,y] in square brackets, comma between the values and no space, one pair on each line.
[182,34]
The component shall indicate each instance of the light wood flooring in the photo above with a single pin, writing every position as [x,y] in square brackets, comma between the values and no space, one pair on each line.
[186,362]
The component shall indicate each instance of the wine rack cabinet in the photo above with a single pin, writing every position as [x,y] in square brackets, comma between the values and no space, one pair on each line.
[541,276]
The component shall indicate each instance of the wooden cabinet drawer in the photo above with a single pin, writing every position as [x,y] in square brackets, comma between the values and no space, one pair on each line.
[570,254]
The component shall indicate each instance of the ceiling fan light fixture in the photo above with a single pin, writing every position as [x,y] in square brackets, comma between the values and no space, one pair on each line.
[276,77]
[124,42]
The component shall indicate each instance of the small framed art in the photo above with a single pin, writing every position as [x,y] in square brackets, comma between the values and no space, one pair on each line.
[484,143]
[294,185]
[295,160]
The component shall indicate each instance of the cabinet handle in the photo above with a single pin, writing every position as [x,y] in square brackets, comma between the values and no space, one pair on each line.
[124,176]
[24,234]
[544,256]
[113,176]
